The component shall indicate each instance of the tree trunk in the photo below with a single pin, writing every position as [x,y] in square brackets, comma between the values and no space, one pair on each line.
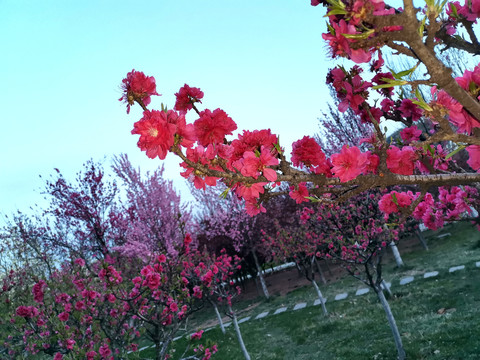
[163,350]
[396,254]
[319,268]
[420,237]
[260,275]
[392,323]
[239,334]
[384,286]
[320,297]
[219,317]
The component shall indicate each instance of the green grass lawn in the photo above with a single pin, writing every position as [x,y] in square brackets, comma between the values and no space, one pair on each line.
[439,318]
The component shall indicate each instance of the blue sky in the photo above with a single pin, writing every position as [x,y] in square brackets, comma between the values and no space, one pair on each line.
[264,63]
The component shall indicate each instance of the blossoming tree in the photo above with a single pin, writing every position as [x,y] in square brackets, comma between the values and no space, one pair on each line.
[224,224]
[295,245]
[153,218]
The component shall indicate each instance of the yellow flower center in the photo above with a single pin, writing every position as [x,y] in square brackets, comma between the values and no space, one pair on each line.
[153,132]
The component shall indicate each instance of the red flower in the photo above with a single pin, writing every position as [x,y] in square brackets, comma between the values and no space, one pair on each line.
[253,208]
[463,120]
[433,219]
[353,94]
[37,291]
[197,335]
[186,97]
[474,160]
[70,344]
[197,292]
[401,161]
[80,262]
[184,130]
[410,134]
[300,194]
[91,355]
[204,157]
[389,203]
[137,87]
[188,240]
[307,152]
[173,307]
[153,280]
[156,133]
[212,127]
[341,45]
[80,305]
[24,311]
[253,165]
[104,351]
[63,316]
[410,110]
[373,161]
[251,141]
[349,163]
[457,114]
[251,192]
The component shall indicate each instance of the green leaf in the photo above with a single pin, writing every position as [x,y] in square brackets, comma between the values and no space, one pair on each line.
[403,73]
[472,87]
[331,29]
[440,6]
[336,12]
[395,75]
[422,27]
[361,36]
[277,146]
[429,149]
[312,198]
[453,8]
[394,198]
[460,148]
[418,95]
[336,4]
[391,225]
[422,104]
[224,194]
[390,83]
